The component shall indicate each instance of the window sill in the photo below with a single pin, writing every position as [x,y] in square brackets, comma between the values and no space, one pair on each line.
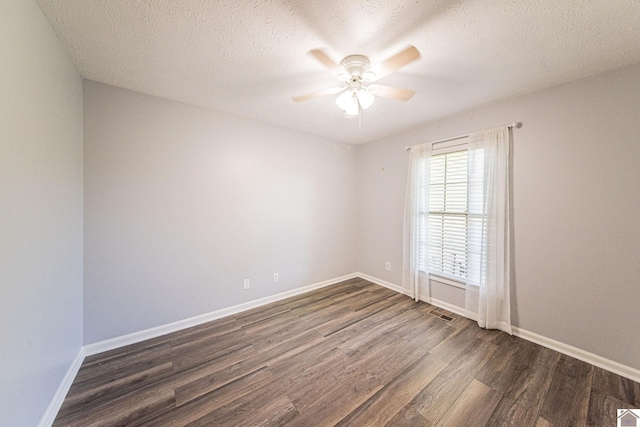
[447,281]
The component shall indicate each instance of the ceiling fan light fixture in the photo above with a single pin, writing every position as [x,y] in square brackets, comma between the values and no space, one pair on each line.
[348,101]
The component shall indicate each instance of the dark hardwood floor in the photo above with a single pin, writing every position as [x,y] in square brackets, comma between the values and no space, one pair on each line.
[352,354]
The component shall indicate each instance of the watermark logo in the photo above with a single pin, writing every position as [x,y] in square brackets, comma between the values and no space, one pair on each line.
[628,417]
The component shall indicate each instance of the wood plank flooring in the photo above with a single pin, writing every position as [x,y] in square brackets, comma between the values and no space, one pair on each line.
[352,354]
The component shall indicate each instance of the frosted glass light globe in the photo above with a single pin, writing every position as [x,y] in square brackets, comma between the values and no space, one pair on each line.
[346,101]
[366,98]
[354,110]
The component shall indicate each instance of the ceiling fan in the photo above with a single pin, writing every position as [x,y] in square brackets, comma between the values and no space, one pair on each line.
[356,72]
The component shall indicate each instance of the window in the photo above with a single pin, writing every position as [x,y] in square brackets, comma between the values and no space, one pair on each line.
[447,216]
[457,226]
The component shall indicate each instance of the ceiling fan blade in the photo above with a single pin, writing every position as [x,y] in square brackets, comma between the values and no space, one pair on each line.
[391,92]
[395,62]
[324,92]
[325,60]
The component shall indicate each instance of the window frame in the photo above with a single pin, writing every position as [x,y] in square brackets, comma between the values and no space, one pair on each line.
[438,148]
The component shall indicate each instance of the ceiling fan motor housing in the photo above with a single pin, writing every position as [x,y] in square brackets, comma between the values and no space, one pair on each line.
[355,65]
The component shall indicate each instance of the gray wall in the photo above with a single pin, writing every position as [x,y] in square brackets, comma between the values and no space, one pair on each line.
[183,203]
[576,209]
[40,213]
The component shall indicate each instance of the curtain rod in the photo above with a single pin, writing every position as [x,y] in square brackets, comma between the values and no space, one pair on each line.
[512,125]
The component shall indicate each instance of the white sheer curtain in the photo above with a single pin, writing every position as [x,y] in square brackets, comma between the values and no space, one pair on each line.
[416,223]
[489,222]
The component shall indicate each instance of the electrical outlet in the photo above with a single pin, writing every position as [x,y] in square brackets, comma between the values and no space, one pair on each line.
[275,277]
[246,284]
[387,266]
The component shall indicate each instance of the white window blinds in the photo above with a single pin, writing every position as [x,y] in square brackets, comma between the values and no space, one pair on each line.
[447,216]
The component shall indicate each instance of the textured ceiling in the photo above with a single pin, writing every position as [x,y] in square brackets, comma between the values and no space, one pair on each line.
[248,56]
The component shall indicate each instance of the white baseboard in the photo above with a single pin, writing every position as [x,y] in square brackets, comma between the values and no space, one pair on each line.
[577,353]
[56,402]
[157,331]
